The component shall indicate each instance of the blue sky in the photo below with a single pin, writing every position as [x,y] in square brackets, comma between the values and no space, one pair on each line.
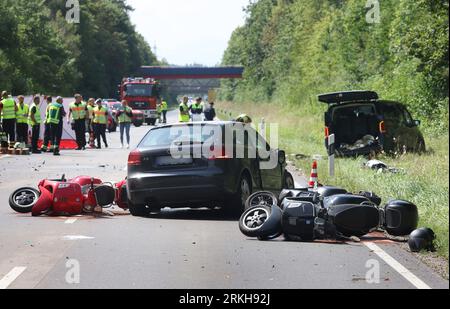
[188,31]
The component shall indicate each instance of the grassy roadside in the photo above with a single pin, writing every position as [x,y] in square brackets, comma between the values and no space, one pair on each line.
[424,180]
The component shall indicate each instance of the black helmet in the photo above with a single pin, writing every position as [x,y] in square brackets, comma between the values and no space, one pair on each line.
[421,239]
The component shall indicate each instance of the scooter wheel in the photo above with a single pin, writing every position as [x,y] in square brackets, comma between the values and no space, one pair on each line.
[263,222]
[262,198]
[22,200]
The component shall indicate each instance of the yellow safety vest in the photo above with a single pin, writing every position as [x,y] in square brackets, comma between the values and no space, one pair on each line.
[100,115]
[22,113]
[37,115]
[78,111]
[54,113]
[185,117]
[164,106]
[9,109]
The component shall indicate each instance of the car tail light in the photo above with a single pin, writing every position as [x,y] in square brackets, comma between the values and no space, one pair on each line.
[135,158]
[383,127]
[327,132]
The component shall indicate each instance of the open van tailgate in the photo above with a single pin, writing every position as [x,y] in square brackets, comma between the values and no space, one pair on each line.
[350,96]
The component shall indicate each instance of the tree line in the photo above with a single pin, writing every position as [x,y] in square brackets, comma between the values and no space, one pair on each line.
[41,52]
[293,50]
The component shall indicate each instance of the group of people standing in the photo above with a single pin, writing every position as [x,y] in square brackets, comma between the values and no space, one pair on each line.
[196,111]
[19,119]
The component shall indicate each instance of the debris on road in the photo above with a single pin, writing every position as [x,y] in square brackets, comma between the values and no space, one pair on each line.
[381,167]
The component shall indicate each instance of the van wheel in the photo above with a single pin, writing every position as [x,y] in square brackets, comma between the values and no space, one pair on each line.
[421,148]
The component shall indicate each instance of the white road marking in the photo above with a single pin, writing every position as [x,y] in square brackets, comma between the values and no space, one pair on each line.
[77,237]
[71,221]
[403,271]
[5,156]
[6,281]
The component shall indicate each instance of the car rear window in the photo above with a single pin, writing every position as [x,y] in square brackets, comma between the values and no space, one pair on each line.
[391,113]
[166,136]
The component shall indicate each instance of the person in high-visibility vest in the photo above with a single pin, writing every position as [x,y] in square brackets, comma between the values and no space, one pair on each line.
[78,112]
[22,120]
[100,120]
[55,118]
[164,110]
[8,110]
[184,110]
[34,120]
[158,112]
[125,115]
[47,131]
[89,124]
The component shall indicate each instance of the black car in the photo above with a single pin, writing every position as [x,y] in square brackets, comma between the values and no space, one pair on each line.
[364,124]
[158,179]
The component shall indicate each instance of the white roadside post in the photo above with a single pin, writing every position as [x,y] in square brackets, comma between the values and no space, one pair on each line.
[331,155]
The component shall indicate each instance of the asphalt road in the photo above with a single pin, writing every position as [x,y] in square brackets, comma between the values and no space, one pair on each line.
[179,249]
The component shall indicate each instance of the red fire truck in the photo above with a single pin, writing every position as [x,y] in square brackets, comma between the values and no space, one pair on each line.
[141,94]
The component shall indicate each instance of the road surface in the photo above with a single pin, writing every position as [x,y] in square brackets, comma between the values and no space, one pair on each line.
[180,249]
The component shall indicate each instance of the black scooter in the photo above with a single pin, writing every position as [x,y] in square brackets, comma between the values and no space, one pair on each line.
[328,213]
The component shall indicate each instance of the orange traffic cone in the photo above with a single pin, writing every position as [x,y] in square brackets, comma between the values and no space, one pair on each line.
[314,180]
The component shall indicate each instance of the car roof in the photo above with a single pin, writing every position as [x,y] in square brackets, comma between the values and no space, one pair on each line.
[217,123]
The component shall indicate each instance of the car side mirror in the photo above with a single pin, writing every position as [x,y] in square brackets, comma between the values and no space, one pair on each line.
[281,156]
[417,123]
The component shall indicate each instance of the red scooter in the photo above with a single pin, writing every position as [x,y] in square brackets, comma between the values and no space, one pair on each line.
[63,197]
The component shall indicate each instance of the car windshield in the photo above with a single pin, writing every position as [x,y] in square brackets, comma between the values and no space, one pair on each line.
[117,106]
[139,90]
[167,136]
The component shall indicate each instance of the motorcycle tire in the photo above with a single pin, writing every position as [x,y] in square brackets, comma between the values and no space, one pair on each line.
[262,198]
[22,200]
[262,222]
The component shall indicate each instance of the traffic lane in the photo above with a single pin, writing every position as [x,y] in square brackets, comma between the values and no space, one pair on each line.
[189,228]
[400,253]
[187,252]
[35,242]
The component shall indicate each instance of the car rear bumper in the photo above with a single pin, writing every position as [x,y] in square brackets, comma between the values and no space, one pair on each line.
[178,188]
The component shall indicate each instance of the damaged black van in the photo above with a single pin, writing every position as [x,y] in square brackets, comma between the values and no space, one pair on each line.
[363,124]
